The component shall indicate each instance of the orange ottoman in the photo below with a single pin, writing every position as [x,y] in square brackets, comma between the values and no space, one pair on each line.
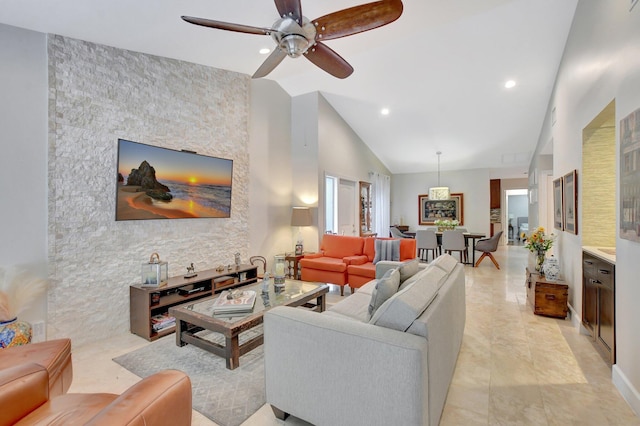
[54,355]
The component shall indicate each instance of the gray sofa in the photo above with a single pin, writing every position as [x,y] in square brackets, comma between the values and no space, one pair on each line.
[346,367]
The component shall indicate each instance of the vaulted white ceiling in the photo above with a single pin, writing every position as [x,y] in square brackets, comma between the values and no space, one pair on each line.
[440,68]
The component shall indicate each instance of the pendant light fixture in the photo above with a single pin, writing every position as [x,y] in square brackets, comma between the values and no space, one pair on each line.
[439,192]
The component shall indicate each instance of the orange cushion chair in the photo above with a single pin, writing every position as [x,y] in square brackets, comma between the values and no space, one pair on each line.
[329,265]
[362,270]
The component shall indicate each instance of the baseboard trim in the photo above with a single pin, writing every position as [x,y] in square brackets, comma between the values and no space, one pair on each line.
[576,319]
[629,393]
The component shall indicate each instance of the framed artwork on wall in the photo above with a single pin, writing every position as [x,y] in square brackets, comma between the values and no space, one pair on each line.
[558,221]
[570,202]
[431,210]
[629,177]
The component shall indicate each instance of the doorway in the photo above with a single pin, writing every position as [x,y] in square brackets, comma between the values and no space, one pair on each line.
[517,214]
[341,214]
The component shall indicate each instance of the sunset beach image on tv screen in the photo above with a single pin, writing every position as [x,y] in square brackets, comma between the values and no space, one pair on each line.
[160,183]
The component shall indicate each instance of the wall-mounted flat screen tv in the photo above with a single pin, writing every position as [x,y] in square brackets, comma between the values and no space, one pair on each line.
[161,183]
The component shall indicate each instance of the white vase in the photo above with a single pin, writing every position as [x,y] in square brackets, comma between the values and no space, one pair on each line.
[551,268]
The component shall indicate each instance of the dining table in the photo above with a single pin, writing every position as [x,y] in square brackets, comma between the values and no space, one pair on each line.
[473,236]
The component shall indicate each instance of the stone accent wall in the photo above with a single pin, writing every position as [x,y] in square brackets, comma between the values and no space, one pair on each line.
[98,94]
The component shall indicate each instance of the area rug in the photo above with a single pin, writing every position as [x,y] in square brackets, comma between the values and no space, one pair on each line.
[227,397]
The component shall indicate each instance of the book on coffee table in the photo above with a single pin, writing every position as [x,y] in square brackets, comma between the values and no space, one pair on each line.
[235,302]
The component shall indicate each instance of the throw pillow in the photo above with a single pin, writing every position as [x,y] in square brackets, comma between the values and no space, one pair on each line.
[387,250]
[386,287]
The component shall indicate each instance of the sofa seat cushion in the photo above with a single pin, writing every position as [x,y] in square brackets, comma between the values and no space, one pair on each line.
[324,263]
[355,306]
[366,270]
[75,407]
[405,306]
[368,287]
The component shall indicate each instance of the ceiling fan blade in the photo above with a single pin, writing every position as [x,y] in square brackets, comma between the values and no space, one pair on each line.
[327,59]
[291,8]
[227,26]
[270,63]
[357,19]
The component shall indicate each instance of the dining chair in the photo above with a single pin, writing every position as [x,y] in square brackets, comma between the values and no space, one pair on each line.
[426,241]
[488,246]
[396,233]
[453,240]
[261,261]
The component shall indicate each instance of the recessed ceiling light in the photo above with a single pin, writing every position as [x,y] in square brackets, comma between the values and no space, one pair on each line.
[264,51]
[384,111]
[509,84]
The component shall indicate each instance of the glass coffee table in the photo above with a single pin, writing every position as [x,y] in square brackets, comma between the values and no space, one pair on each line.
[195,317]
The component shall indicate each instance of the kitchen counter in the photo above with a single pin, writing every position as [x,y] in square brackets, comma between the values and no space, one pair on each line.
[605,253]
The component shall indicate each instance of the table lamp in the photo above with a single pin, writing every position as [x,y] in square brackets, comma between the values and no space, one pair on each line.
[300,216]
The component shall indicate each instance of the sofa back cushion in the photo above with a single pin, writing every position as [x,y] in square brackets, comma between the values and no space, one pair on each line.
[405,306]
[407,249]
[446,262]
[340,246]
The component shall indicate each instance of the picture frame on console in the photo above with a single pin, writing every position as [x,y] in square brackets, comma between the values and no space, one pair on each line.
[431,210]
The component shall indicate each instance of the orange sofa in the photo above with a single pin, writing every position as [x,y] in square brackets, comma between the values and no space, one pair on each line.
[339,253]
[362,270]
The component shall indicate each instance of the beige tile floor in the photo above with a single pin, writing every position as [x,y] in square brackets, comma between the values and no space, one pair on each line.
[514,368]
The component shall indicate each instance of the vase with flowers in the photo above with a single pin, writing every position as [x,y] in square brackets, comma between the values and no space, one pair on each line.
[538,243]
[446,224]
[18,290]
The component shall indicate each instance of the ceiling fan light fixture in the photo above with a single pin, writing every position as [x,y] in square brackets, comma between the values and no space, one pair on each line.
[439,192]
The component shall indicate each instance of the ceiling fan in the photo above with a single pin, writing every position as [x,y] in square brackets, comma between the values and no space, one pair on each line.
[296,35]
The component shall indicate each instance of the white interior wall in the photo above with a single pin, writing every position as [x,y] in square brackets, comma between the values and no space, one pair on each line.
[473,184]
[23,163]
[601,62]
[270,184]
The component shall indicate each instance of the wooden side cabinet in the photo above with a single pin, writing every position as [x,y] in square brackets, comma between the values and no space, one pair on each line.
[598,303]
[145,303]
[547,298]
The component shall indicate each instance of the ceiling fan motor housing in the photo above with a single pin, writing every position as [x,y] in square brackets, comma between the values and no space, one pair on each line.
[292,38]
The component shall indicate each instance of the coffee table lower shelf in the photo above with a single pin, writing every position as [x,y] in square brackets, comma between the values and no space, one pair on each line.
[189,321]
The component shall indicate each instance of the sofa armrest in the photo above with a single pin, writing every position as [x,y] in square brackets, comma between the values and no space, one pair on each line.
[314,361]
[23,388]
[355,260]
[163,398]
[384,265]
[313,255]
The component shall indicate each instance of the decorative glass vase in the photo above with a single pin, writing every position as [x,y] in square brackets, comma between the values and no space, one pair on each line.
[540,257]
[14,333]
[551,269]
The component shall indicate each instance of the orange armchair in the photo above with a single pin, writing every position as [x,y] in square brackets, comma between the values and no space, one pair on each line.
[329,265]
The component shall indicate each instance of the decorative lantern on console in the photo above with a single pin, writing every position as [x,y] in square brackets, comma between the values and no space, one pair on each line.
[155,273]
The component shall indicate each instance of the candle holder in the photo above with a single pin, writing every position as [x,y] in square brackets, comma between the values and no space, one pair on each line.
[278,271]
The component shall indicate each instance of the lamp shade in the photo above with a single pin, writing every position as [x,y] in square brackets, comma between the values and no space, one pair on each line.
[439,193]
[301,216]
